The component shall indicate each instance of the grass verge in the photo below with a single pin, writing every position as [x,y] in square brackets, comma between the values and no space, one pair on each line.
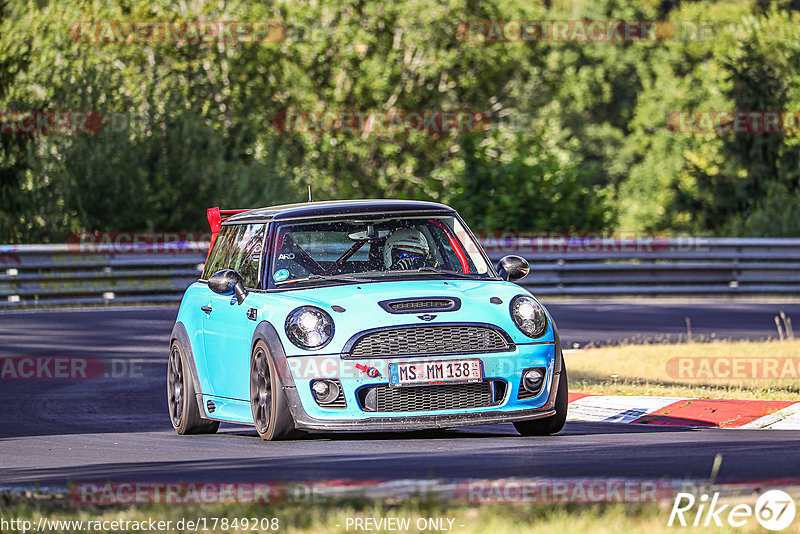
[654,370]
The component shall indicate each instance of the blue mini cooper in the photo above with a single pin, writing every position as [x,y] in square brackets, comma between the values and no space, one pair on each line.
[360,315]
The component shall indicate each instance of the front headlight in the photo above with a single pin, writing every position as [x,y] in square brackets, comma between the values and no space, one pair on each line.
[528,315]
[309,327]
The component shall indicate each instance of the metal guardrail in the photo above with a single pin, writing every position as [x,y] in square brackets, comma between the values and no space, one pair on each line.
[59,275]
[652,267]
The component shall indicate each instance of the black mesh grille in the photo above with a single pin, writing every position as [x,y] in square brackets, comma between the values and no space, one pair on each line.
[429,340]
[421,305]
[438,397]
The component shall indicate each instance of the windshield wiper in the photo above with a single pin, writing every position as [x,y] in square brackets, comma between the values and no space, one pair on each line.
[434,270]
[445,271]
[321,277]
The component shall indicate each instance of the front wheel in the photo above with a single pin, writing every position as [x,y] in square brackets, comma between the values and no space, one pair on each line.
[554,423]
[183,410]
[267,400]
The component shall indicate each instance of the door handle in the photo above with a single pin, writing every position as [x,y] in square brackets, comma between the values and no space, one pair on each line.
[206,309]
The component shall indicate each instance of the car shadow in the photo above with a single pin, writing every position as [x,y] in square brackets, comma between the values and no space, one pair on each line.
[572,428]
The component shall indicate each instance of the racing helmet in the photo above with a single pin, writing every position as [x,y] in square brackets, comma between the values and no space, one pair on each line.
[406,240]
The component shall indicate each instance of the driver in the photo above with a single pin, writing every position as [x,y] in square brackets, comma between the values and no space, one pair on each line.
[405,249]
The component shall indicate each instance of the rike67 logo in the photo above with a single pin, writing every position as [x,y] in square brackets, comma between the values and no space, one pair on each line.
[774,510]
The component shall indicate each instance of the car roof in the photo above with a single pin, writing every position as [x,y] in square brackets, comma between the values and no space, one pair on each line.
[334,208]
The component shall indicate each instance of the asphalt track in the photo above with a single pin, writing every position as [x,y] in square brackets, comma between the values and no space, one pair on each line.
[116,429]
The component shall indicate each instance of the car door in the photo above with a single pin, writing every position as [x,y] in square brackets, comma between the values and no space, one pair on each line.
[225,333]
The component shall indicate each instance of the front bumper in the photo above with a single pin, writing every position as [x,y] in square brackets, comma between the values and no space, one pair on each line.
[303,422]
[507,366]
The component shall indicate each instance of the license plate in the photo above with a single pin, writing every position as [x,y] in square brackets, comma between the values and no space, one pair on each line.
[435,372]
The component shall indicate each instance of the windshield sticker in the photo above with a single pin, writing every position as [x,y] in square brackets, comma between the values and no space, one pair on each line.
[280,276]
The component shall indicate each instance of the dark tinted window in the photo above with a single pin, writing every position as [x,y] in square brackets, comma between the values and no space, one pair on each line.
[239,248]
[246,249]
[220,252]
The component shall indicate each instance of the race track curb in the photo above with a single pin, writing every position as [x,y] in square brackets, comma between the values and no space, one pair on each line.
[678,411]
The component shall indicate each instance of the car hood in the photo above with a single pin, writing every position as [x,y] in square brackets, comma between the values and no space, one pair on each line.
[362,310]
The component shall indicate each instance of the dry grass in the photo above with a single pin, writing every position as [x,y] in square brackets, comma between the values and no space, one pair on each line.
[643,370]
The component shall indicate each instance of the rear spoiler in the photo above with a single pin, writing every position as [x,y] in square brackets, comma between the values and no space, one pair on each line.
[215,217]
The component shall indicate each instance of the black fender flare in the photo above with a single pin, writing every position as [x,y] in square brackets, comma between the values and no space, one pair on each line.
[266,332]
[179,334]
[559,356]
[558,365]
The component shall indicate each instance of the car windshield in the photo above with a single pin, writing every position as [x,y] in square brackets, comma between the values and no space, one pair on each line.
[355,250]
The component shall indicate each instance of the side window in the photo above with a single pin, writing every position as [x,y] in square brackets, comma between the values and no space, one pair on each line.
[218,258]
[246,252]
[239,248]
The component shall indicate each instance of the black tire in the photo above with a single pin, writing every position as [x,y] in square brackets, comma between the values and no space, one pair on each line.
[271,415]
[554,423]
[181,400]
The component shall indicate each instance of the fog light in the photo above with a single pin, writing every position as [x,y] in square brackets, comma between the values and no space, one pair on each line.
[532,380]
[325,391]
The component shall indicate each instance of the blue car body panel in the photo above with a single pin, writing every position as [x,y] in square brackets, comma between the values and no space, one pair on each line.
[221,342]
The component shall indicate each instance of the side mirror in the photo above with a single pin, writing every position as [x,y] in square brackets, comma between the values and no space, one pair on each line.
[227,282]
[513,268]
